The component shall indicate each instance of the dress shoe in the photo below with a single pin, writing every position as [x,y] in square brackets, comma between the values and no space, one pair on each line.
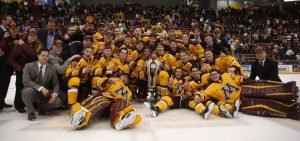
[21,110]
[7,105]
[31,116]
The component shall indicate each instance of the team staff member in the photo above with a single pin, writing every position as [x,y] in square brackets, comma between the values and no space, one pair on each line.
[264,67]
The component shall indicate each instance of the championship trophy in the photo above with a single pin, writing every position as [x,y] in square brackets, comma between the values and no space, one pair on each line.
[153,68]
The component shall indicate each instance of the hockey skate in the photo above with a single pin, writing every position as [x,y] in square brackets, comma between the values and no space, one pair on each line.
[126,121]
[207,111]
[224,111]
[235,108]
[78,118]
[153,109]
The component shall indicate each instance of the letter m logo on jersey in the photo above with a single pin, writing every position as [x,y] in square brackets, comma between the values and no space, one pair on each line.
[122,91]
[228,89]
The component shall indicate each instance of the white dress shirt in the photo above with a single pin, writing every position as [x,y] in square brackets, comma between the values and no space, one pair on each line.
[4,29]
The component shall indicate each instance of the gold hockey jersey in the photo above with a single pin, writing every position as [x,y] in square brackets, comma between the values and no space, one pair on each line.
[228,90]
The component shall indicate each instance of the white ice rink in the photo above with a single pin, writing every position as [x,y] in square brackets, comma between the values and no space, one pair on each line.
[169,126]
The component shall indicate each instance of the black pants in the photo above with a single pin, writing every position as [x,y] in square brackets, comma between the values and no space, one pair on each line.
[19,86]
[84,90]
[142,89]
[5,75]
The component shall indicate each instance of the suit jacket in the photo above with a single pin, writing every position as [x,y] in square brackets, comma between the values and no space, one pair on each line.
[269,71]
[1,33]
[50,79]
[2,58]
[43,36]
[216,48]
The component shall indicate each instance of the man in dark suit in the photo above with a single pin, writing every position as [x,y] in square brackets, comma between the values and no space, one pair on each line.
[48,35]
[5,20]
[265,68]
[41,86]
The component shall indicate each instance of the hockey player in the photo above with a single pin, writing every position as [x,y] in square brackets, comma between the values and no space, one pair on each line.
[158,69]
[196,50]
[208,61]
[184,62]
[100,46]
[225,90]
[174,50]
[107,65]
[198,82]
[78,76]
[133,57]
[138,73]
[114,96]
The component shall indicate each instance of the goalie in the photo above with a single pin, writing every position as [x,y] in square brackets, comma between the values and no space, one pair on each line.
[114,96]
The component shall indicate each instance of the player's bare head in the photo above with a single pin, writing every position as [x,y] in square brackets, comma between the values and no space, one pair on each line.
[140,45]
[146,52]
[173,45]
[184,56]
[185,38]
[123,53]
[208,38]
[195,72]
[124,78]
[178,72]
[88,53]
[137,31]
[208,54]
[107,51]
[215,75]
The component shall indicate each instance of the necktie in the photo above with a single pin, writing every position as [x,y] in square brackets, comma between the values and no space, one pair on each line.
[40,76]
[260,69]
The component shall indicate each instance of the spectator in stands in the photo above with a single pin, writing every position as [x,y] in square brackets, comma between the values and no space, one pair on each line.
[297,69]
[263,67]
[289,53]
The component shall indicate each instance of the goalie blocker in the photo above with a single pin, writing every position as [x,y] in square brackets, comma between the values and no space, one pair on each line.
[270,99]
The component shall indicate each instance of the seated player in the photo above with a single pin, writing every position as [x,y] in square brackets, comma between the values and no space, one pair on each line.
[114,96]
[138,72]
[224,90]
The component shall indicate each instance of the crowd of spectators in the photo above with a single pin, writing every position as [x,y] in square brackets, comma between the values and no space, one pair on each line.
[243,29]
